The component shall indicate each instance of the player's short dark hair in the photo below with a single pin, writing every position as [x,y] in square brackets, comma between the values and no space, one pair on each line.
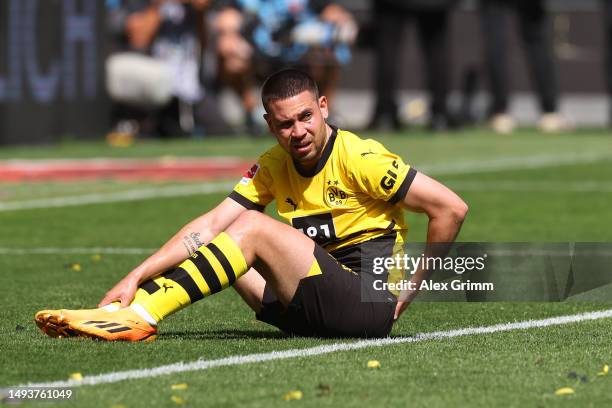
[285,84]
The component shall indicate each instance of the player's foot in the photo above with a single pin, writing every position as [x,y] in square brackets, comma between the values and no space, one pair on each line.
[55,323]
[123,324]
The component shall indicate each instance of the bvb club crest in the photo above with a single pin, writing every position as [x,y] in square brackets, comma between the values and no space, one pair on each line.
[334,195]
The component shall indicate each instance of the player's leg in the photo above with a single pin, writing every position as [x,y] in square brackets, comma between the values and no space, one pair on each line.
[332,301]
[280,253]
[251,287]
[307,291]
[212,268]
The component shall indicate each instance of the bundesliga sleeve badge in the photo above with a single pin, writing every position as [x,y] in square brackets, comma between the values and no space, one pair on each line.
[249,174]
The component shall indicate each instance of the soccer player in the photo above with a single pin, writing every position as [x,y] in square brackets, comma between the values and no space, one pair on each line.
[343,198]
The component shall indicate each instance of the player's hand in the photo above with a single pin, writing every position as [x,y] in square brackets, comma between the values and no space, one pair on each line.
[399,309]
[123,291]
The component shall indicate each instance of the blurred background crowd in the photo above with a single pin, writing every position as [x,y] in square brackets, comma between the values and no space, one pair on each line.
[170,68]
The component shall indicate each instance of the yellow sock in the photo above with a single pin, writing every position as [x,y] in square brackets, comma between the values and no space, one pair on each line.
[212,268]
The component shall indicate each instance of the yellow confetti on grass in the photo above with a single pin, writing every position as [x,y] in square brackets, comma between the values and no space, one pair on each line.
[76,376]
[181,386]
[177,400]
[373,364]
[293,395]
[604,371]
[565,391]
[75,267]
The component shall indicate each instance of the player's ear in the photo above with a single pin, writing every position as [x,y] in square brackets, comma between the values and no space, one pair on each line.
[323,106]
[268,120]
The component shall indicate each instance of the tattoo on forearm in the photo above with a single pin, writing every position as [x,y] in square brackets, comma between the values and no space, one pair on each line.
[189,249]
[192,242]
[195,236]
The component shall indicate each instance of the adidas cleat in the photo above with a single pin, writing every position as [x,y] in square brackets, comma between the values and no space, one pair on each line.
[121,325]
[55,323]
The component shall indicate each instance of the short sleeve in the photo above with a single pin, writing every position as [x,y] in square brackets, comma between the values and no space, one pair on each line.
[381,174]
[253,191]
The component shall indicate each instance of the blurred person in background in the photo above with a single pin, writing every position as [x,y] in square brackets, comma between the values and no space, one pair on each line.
[537,42]
[255,38]
[432,21]
[154,78]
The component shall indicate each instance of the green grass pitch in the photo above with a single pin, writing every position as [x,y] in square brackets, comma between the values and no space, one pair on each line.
[523,187]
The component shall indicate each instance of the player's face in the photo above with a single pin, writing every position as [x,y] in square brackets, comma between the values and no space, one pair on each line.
[299,125]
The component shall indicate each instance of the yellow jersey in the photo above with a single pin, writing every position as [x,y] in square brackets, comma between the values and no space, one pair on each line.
[350,197]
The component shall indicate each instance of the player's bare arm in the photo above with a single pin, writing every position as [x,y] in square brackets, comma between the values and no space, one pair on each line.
[182,245]
[446,212]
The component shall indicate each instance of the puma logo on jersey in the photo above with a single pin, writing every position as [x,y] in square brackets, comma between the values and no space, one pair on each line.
[364,154]
[292,203]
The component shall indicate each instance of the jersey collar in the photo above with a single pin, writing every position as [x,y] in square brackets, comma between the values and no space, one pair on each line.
[327,151]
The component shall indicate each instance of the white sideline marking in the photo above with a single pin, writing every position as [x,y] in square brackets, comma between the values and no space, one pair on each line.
[503,163]
[549,186]
[146,251]
[68,251]
[200,365]
[515,163]
[518,251]
[133,195]
[103,162]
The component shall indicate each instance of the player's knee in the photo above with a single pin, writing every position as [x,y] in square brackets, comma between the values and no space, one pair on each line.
[460,210]
[247,223]
[250,216]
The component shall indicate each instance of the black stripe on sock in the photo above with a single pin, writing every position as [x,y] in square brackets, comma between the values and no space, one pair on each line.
[150,286]
[208,273]
[105,326]
[227,267]
[118,329]
[180,276]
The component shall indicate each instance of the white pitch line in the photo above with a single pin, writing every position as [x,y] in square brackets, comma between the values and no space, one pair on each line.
[499,164]
[548,186]
[35,164]
[518,251]
[200,365]
[68,251]
[132,195]
[515,163]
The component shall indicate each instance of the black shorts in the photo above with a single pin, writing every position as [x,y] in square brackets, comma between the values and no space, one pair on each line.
[328,305]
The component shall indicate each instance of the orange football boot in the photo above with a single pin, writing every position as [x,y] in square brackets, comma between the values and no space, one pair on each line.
[120,325]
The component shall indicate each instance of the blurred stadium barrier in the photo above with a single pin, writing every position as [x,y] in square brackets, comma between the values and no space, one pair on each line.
[52,57]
